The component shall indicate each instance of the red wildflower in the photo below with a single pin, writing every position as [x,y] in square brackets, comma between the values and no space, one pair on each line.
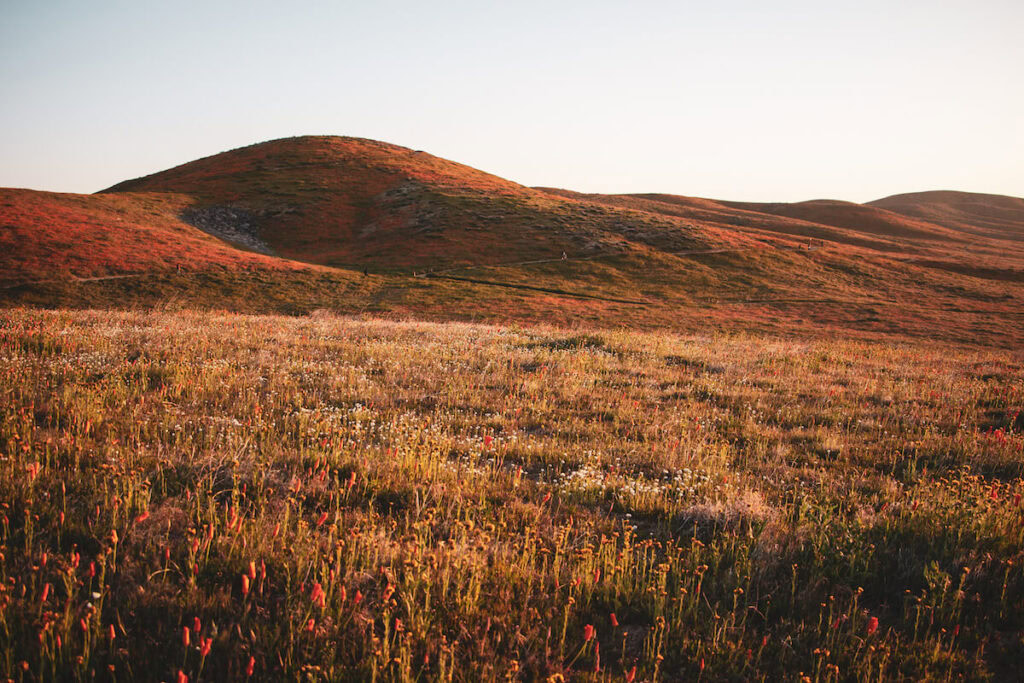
[872,625]
[251,666]
[185,639]
[615,622]
[245,585]
[631,674]
[588,632]
[322,519]
[318,596]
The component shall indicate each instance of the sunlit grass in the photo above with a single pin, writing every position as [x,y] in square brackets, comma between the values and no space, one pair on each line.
[325,498]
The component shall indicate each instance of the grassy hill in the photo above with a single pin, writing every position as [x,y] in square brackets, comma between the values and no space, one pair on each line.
[986,215]
[353,225]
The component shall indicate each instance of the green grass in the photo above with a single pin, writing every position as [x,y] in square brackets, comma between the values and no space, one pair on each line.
[421,501]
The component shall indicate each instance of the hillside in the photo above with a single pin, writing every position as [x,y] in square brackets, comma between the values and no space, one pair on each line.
[49,235]
[354,202]
[353,226]
[986,215]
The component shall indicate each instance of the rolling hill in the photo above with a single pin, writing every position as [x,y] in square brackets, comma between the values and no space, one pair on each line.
[986,215]
[356,225]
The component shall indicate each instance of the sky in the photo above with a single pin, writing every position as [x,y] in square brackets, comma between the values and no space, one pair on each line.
[732,99]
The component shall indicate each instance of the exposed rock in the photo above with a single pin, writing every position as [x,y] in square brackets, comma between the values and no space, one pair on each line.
[230,224]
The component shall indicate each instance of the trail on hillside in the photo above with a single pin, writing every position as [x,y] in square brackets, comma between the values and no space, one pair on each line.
[76,279]
[548,290]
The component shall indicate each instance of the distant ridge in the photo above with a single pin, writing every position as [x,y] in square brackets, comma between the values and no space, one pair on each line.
[982,214]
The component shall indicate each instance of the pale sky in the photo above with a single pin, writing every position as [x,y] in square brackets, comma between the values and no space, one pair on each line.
[732,99]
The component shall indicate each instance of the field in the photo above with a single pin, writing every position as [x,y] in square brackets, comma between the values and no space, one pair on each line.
[210,496]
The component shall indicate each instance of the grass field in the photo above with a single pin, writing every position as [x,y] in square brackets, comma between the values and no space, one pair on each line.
[209,496]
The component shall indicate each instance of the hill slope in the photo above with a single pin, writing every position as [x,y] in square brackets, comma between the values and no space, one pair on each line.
[48,235]
[987,215]
[356,202]
[344,224]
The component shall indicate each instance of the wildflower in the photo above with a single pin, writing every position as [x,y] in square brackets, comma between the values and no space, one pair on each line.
[615,622]
[310,625]
[207,643]
[358,598]
[597,657]
[322,519]
[251,666]
[185,639]
[110,632]
[588,632]
[318,596]
[252,570]
[488,440]
[631,674]
[143,517]
[197,625]
[547,497]
[245,585]
[182,678]
[872,625]
[46,592]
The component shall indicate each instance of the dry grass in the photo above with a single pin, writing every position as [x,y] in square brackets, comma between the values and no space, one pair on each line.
[324,498]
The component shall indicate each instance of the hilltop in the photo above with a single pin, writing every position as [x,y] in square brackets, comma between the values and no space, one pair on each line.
[354,202]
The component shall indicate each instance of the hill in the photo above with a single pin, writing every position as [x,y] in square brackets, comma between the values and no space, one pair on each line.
[354,225]
[49,235]
[355,203]
[986,215]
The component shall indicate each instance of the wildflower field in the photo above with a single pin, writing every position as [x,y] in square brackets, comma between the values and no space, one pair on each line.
[205,496]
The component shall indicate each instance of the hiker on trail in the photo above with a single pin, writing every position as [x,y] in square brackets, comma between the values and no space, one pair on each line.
[564,256]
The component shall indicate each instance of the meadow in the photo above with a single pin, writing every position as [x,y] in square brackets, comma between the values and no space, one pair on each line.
[212,496]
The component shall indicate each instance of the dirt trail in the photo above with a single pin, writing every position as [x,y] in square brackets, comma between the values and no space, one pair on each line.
[549,290]
[73,279]
[593,257]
